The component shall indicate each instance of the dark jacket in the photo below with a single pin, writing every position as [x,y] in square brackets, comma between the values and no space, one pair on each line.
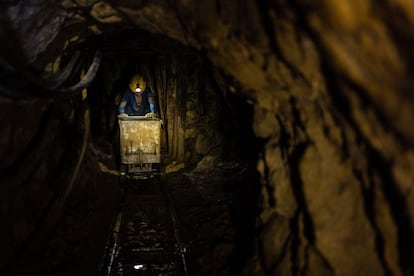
[128,104]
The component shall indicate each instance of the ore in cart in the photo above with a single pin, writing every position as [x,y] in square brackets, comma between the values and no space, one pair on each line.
[140,147]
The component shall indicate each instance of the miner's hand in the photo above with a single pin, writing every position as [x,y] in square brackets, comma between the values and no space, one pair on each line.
[151,115]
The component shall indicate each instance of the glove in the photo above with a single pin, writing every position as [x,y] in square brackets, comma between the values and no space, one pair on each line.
[151,115]
[123,115]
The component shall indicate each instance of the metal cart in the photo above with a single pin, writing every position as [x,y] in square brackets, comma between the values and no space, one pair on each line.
[140,147]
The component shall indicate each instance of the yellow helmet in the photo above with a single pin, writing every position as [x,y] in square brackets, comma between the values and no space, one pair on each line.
[137,81]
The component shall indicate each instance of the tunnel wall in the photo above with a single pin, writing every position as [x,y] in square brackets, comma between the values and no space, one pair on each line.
[54,193]
[189,106]
[40,145]
[330,84]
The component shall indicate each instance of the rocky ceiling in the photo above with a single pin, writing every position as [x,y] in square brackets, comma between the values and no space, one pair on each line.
[331,86]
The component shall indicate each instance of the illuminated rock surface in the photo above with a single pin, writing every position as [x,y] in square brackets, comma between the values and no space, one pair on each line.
[314,95]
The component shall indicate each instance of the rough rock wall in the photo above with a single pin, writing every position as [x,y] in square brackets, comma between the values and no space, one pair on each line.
[331,83]
[188,106]
[39,147]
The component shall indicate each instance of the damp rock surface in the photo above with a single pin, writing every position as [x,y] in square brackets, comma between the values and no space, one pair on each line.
[326,85]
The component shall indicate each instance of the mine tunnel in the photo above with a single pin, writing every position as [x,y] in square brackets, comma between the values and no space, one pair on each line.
[285,138]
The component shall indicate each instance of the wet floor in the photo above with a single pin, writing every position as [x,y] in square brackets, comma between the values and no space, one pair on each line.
[191,224]
[144,240]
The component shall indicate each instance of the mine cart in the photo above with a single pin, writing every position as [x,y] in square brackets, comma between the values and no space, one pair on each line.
[140,147]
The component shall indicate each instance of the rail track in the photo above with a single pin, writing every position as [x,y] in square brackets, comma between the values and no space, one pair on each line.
[145,239]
